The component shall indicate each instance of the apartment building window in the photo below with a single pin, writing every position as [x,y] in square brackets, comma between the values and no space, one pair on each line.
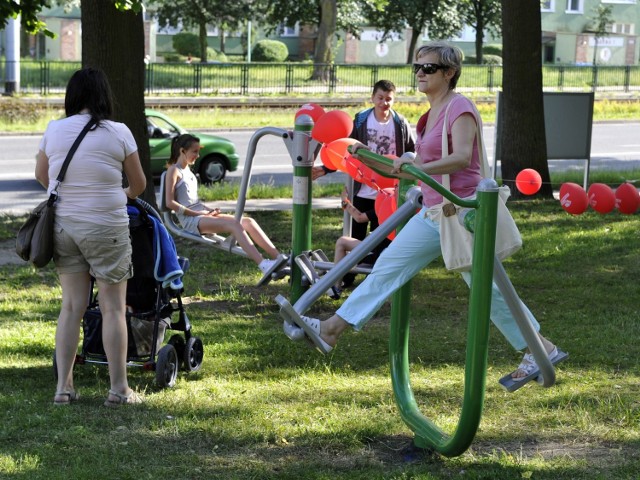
[289,31]
[624,28]
[575,6]
[633,2]
[548,6]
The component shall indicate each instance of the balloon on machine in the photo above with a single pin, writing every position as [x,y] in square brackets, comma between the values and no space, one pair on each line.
[385,205]
[627,199]
[359,171]
[573,198]
[381,181]
[314,110]
[332,126]
[333,154]
[601,197]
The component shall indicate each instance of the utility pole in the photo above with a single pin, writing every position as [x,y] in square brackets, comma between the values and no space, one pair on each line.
[12,78]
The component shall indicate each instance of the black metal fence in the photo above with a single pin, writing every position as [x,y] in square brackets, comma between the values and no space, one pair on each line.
[240,79]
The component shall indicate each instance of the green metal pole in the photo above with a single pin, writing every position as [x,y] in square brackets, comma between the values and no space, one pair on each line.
[428,435]
[302,159]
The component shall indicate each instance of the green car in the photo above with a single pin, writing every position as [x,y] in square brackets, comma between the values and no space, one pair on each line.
[217,155]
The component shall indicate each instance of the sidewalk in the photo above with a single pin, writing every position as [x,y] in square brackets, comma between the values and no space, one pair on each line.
[273,204]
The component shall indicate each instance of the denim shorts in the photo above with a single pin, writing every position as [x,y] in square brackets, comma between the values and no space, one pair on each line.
[103,251]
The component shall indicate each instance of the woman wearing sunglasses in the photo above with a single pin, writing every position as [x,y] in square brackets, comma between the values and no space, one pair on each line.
[437,68]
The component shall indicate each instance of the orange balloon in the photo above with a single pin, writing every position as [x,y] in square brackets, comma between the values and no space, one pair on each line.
[573,198]
[601,198]
[327,158]
[333,154]
[627,198]
[332,126]
[314,110]
[386,203]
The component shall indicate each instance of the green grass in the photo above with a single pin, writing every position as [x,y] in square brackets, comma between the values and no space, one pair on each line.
[263,407]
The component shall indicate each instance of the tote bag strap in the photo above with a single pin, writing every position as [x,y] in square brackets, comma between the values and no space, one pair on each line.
[67,160]
[482,152]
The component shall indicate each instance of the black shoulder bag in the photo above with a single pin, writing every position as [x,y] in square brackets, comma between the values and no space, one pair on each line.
[34,242]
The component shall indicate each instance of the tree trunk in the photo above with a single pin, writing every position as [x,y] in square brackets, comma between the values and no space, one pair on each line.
[416,31]
[412,46]
[523,143]
[203,41]
[222,40]
[326,30]
[114,42]
[479,37]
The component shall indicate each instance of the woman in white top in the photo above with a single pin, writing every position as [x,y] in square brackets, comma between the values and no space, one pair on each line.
[181,196]
[91,232]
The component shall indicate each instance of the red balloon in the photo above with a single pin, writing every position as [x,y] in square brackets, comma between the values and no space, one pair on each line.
[601,198]
[528,181]
[627,198]
[573,198]
[333,154]
[332,126]
[314,110]
[386,203]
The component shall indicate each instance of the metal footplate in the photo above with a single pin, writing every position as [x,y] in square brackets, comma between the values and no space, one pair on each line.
[511,385]
[288,313]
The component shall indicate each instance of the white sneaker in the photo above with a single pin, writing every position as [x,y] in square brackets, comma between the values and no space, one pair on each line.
[266,264]
[268,267]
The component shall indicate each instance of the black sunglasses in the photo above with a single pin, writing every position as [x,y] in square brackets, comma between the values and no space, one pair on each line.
[428,68]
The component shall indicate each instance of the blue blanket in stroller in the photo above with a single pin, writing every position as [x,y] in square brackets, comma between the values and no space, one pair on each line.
[166,266]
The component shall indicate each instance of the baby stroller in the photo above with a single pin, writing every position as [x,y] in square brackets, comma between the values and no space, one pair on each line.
[153,295]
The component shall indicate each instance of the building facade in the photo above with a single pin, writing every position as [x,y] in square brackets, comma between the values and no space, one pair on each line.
[568,38]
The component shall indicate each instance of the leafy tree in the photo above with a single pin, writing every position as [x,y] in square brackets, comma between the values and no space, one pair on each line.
[441,18]
[112,39]
[601,20]
[28,11]
[199,13]
[481,15]
[330,16]
[523,142]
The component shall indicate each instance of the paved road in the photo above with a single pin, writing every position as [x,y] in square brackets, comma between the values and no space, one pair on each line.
[614,146]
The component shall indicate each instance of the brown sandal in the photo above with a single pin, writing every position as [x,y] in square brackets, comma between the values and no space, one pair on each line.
[132,398]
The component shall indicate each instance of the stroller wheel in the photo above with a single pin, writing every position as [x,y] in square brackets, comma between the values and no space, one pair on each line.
[193,353]
[178,343]
[167,367]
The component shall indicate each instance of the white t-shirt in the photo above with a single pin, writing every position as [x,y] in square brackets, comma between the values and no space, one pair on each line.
[381,138]
[92,187]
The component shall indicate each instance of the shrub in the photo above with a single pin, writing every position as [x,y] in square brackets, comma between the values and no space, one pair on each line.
[492,50]
[13,110]
[186,44]
[215,56]
[270,51]
[172,57]
[491,60]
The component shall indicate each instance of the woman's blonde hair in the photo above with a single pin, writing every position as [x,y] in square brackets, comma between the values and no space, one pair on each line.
[448,55]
